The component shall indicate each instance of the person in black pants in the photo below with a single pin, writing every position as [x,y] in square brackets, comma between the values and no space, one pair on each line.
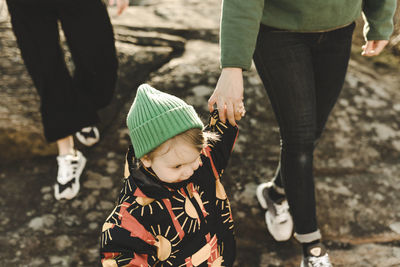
[69,103]
[301,51]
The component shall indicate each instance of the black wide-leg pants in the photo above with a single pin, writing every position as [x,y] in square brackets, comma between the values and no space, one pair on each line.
[69,102]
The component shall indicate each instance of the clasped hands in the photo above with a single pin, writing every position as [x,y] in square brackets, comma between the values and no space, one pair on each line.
[228,96]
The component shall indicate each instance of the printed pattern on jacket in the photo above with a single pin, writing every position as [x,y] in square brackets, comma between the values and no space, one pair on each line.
[182,224]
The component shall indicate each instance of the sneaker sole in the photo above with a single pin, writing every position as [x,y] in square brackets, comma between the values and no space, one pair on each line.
[83,141]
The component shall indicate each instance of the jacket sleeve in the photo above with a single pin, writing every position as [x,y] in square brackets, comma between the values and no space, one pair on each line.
[240,23]
[219,151]
[125,242]
[378,17]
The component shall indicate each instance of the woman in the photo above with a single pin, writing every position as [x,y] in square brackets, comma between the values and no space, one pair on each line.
[301,51]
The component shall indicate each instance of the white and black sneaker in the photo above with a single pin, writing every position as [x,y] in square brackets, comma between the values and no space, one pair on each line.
[316,257]
[70,168]
[278,218]
[88,135]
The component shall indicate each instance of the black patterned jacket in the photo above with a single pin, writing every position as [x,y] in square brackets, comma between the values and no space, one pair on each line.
[181,224]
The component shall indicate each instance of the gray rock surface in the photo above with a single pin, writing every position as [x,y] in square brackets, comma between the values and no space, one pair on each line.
[173,46]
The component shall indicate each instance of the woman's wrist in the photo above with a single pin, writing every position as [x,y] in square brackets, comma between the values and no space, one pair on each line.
[232,69]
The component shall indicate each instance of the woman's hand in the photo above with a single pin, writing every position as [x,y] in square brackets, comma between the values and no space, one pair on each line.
[228,95]
[373,48]
[121,5]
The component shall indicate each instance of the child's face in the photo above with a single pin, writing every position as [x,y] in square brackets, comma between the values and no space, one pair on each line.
[174,161]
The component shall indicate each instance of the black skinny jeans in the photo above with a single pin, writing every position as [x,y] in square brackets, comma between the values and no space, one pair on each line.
[68,102]
[303,74]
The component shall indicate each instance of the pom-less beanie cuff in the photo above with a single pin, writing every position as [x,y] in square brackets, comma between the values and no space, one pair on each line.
[156,117]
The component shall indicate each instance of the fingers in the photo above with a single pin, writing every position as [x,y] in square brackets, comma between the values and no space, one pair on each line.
[367,48]
[233,112]
[120,10]
[373,48]
[122,5]
[230,112]
[227,110]
[228,95]
[211,102]
[221,109]
[238,116]
[240,111]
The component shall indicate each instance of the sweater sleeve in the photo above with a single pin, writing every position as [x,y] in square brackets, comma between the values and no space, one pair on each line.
[220,151]
[240,23]
[378,16]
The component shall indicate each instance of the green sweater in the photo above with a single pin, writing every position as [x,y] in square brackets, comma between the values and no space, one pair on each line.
[241,20]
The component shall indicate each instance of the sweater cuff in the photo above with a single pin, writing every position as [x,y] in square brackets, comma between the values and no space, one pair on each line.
[372,33]
[244,67]
[376,37]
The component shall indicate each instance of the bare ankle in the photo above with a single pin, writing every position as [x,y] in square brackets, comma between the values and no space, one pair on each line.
[66,146]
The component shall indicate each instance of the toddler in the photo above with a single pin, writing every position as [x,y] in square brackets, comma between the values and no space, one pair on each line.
[173,209]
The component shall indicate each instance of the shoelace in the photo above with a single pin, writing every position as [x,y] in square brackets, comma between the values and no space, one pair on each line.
[281,212]
[322,261]
[65,169]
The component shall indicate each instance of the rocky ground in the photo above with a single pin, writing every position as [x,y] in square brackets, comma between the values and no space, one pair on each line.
[176,49]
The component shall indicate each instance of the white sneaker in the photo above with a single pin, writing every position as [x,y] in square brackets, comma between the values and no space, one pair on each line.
[70,168]
[88,135]
[278,218]
[322,261]
[318,257]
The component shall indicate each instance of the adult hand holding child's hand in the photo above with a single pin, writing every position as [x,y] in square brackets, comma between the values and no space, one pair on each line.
[228,95]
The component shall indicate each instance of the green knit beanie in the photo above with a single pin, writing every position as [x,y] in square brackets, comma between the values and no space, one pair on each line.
[155,117]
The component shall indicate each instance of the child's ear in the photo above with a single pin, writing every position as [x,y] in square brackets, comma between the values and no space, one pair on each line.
[146,161]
